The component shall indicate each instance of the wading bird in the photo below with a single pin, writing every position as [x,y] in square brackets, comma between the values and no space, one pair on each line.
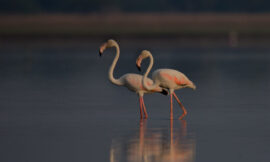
[132,81]
[165,78]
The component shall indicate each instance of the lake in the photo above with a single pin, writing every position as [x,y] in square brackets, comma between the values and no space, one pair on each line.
[57,105]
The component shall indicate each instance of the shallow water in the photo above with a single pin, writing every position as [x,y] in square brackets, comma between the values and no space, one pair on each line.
[56,104]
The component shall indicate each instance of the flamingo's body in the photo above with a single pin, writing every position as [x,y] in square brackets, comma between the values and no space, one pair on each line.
[170,79]
[132,81]
[166,78]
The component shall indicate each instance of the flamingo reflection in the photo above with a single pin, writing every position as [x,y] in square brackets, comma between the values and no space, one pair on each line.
[155,145]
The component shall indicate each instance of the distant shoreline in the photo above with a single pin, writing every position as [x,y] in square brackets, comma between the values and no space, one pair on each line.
[155,25]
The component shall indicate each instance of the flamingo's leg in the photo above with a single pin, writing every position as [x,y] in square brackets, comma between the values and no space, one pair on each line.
[182,107]
[141,109]
[171,116]
[144,109]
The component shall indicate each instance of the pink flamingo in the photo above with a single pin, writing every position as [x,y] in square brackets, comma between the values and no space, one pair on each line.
[132,81]
[165,78]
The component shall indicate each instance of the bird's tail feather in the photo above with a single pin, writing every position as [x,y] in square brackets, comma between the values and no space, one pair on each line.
[164,92]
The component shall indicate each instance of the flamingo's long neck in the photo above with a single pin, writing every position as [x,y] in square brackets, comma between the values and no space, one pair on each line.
[153,86]
[111,77]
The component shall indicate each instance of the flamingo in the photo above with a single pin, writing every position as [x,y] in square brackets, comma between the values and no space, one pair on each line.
[132,81]
[166,78]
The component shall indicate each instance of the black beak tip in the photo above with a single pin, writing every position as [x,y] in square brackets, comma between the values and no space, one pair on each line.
[100,53]
[139,68]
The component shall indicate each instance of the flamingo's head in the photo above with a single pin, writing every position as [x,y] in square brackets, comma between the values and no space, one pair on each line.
[108,44]
[144,54]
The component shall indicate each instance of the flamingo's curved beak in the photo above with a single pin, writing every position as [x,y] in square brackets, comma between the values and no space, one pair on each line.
[102,48]
[138,63]
[139,68]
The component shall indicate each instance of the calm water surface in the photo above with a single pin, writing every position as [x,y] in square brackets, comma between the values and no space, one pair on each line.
[57,105]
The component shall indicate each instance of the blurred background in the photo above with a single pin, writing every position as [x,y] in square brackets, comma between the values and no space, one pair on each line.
[56,103]
[218,19]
